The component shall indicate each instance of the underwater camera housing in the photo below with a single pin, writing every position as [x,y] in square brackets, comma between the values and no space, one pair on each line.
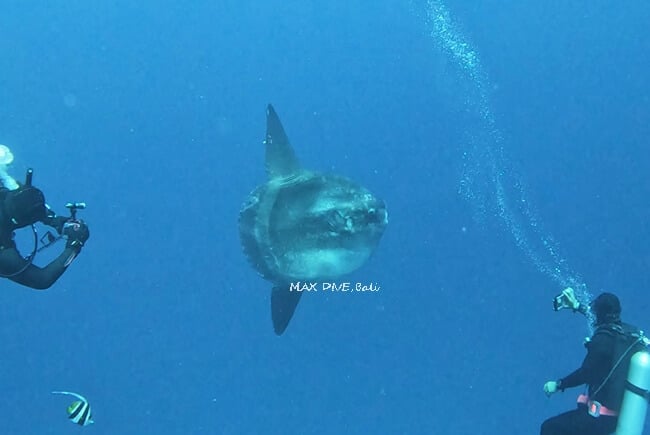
[560,302]
[73,207]
[48,238]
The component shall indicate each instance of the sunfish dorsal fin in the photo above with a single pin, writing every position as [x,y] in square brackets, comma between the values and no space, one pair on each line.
[281,161]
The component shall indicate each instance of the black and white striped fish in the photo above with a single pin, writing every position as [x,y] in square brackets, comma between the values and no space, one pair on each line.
[79,411]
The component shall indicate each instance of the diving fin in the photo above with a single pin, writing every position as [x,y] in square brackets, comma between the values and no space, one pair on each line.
[283,305]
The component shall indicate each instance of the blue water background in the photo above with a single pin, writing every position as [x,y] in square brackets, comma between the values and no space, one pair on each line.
[153,113]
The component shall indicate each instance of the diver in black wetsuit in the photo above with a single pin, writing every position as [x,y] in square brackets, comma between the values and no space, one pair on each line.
[604,370]
[24,207]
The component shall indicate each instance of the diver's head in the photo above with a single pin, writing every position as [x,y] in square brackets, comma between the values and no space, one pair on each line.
[24,206]
[606,308]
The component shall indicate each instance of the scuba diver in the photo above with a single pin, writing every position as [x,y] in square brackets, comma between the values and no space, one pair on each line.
[21,207]
[604,369]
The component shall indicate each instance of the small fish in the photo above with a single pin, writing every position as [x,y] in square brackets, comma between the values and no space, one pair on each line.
[79,411]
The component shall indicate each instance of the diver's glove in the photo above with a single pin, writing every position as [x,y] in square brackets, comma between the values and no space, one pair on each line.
[570,296]
[567,299]
[551,387]
[77,234]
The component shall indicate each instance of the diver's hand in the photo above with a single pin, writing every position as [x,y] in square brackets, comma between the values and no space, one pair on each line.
[570,298]
[58,223]
[77,234]
[566,299]
[550,388]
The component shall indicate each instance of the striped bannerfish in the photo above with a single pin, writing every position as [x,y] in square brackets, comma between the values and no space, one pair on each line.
[79,411]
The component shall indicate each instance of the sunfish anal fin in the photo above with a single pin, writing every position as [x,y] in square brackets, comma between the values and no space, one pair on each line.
[281,161]
[283,305]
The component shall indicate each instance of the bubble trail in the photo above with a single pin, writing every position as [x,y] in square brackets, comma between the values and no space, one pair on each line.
[488,181]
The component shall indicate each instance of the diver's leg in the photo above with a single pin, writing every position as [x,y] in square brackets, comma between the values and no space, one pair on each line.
[563,424]
[603,425]
[579,422]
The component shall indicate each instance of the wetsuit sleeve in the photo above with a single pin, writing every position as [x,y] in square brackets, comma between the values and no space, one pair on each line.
[582,309]
[595,363]
[39,278]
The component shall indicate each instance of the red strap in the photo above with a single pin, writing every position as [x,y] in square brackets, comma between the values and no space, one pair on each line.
[584,399]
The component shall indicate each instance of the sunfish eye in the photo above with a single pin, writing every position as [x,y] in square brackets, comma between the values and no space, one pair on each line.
[373,216]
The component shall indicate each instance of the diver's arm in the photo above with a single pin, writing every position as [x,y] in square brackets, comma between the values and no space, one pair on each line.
[595,362]
[573,380]
[38,278]
[582,309]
